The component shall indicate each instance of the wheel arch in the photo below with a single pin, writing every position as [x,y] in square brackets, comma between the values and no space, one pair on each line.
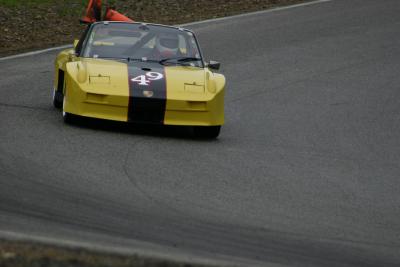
[60,68]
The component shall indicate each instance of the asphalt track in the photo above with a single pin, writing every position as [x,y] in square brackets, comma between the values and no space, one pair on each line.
[305,173]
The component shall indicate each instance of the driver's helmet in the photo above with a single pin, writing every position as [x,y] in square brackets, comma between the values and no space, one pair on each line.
[167,45]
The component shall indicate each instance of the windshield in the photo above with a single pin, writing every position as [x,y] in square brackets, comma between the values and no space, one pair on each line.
[143,42]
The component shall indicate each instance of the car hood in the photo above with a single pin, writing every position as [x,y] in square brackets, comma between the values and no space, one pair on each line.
[101,76]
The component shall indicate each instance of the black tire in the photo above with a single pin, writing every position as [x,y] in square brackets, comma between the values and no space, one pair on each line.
[206,132]
[58,99]
[68,117]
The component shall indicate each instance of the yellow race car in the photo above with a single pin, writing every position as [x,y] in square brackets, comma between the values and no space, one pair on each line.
[140,73]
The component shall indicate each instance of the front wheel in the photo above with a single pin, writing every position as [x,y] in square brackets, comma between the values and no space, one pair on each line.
[68,117]
[207,132]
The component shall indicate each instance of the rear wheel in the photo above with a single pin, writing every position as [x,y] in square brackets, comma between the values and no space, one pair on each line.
[58,96]
[57,99]
[206,132]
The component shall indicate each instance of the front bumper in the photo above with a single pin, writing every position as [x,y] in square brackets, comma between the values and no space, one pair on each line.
[189,111]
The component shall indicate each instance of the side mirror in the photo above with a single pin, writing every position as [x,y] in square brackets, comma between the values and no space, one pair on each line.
[214,65]
[76,41]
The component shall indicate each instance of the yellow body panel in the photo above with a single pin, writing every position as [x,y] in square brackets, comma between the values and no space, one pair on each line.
[189,100]
[97,88]
[100,89]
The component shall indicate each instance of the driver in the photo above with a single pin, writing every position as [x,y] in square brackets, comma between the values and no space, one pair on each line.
[167,46]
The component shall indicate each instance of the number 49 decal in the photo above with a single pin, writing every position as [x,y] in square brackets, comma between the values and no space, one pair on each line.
[146,79]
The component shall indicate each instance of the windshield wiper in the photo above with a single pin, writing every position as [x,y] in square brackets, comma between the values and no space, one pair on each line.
[129,59]
[119,58]
[179,60]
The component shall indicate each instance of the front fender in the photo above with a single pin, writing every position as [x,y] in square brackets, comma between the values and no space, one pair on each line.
[215,82]
[60,66]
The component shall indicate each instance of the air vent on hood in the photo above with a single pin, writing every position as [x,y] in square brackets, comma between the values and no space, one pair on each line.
[99,79]
[191,88]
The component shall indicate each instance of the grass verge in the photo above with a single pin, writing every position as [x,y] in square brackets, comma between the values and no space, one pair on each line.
[36,24]
[22,254]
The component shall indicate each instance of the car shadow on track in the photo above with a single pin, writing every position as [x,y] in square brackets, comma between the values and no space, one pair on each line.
[178,132]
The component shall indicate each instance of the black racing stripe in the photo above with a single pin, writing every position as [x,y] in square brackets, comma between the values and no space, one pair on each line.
[147,103]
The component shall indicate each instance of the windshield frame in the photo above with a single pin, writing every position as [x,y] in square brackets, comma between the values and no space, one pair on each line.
[89,30]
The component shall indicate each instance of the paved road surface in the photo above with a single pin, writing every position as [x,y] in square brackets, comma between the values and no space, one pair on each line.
[305,173]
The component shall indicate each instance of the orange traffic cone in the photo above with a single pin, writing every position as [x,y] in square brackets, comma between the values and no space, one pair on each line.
[112,15]
[93,12]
